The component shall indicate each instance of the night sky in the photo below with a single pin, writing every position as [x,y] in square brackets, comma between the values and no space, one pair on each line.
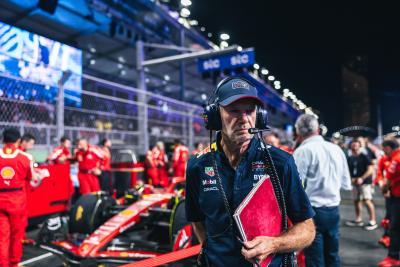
[304,46]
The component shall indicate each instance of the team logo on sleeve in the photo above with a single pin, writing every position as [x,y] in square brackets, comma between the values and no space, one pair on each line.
[7,173]
[209,171]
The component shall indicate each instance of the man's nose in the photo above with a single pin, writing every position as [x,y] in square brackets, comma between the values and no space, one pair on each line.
[243,116]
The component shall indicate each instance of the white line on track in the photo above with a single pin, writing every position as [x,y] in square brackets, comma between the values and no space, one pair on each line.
[38,258]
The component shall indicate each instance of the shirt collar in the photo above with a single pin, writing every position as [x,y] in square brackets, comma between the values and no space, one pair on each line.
[315,138]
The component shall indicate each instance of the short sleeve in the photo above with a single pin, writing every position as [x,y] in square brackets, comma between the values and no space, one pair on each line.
[346,178]
[193,211]
[297,203]
[368,161]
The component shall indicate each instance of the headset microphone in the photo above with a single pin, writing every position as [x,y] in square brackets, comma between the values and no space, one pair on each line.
[256,130]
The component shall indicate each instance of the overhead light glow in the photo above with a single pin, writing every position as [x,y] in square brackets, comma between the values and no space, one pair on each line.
[203,29]
[264,71]
[256,66]
[277,86]
[92,62]
[120,66]
[123,72]
[224,36]
[121,59]
[92,49]
[277,82]
[271,78]
[209,35]
[186,2]
[336,135]
[193,23]
[166,77]
[239,49]
[185,12]
[224,44]
[204,97]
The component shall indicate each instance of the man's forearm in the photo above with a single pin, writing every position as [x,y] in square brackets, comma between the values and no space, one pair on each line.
[299,236]
[198,228]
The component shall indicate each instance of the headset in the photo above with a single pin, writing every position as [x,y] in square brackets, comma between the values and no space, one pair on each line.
[212,117]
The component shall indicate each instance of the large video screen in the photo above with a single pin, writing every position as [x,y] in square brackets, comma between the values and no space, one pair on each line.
[38,59]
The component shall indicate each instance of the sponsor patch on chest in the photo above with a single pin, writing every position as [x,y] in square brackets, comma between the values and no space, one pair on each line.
[209,171]
[257,165]
[209,182]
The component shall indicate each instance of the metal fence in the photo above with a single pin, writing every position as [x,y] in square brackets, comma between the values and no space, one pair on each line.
[126,115]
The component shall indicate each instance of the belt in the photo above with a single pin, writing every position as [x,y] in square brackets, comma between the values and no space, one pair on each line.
[10,189]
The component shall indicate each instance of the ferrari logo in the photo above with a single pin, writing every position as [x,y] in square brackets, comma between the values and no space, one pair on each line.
[7,173]
[8,151]
[78,214]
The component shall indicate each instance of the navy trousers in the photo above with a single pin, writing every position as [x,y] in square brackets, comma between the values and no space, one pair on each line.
[324,251]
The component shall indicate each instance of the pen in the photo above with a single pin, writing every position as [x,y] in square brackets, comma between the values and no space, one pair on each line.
[255,261]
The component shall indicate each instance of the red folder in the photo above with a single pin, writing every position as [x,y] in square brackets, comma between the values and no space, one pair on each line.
[259,214]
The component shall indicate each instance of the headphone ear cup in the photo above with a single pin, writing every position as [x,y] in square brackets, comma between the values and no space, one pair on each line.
[212,118]
[261,118]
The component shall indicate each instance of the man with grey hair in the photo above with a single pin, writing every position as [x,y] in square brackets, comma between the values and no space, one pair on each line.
[323,168]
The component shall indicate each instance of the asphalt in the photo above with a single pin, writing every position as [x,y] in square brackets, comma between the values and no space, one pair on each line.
[358,247]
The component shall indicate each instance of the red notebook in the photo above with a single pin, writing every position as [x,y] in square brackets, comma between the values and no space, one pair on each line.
[259,214]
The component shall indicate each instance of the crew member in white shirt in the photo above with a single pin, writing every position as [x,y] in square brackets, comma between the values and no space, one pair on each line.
[323,168]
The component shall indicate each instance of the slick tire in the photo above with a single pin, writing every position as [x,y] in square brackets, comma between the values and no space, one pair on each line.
[89,212]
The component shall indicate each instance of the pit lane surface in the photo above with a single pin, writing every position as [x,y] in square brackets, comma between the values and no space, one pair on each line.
[358,247]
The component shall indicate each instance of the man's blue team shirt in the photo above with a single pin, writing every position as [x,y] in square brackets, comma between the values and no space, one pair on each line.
[204,202]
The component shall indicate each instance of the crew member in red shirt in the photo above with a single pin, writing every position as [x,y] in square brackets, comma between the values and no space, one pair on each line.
[62,153]
[273,138]
[15,173]
[27,142]
[89,159]
[105,178]
[151,166]
[179,159]
[391,148]
[162,161]
[381,181]
[199,147]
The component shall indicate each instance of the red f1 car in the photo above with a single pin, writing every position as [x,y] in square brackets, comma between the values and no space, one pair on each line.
[101,231]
